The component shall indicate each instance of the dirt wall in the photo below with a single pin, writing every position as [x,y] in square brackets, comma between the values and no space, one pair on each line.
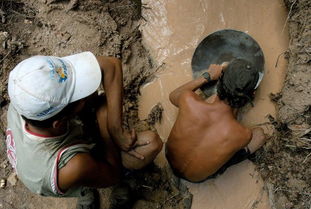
[285,161]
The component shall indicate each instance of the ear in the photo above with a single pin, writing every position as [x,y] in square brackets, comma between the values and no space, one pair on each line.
[57,123]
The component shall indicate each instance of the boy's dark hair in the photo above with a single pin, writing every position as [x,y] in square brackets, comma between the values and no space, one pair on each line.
[48,123]
[237,83]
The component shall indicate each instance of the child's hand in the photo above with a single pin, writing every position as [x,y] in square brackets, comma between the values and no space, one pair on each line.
[215,70]
[224,65]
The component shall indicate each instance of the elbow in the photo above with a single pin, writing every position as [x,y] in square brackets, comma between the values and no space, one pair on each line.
[172,97]
[116,177]
[115,129]
[116,171]
[115,60]
[176,96]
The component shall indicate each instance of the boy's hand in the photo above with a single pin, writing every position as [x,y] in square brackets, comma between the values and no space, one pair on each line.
[125,140]
[224,65]
[215,70]
[128,142]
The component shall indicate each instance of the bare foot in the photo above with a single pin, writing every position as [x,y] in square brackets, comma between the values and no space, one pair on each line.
[258,140]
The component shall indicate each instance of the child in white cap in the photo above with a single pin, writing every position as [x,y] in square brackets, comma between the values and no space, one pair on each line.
[50,152]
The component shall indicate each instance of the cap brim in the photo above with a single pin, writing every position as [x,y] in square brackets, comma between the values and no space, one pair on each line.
[87,74]
[260,77]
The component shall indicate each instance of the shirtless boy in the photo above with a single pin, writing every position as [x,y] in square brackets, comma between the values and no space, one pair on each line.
[206,137]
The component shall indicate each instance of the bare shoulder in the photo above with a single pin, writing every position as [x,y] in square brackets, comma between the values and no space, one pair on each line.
[84,170]
[189,98]
[82,162]
[242,133]
[75,171]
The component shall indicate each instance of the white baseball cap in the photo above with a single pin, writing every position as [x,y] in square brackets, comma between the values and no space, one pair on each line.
[41,86]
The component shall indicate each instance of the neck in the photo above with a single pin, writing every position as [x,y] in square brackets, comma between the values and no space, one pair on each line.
[217,99]
[46,132]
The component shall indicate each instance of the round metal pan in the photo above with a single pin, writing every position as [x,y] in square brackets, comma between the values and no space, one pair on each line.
[224,46]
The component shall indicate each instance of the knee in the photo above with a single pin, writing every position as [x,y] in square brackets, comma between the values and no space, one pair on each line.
[155,142]
[149,151]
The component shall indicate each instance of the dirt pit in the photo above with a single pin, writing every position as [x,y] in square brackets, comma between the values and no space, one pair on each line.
[110,27]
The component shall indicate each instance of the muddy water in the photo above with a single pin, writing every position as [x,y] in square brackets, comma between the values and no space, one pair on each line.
[173,30]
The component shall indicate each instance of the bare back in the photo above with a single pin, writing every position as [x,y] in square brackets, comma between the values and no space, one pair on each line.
[204,137]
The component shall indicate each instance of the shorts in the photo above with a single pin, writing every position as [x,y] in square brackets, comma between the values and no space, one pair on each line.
[238,157]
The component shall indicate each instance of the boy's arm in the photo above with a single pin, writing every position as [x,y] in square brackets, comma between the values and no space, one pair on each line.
[190,86]
[113,85]
[213,72]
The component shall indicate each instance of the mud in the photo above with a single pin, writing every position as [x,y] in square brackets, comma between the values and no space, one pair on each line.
[59,28]
[181,34]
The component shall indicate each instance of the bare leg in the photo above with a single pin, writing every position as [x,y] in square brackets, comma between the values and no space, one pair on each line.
[258,140]
[149,151]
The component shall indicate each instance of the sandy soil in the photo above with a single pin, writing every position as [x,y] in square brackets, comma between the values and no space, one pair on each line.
[57,27]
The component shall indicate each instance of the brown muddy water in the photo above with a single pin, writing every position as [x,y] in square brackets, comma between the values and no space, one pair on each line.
[172,31]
